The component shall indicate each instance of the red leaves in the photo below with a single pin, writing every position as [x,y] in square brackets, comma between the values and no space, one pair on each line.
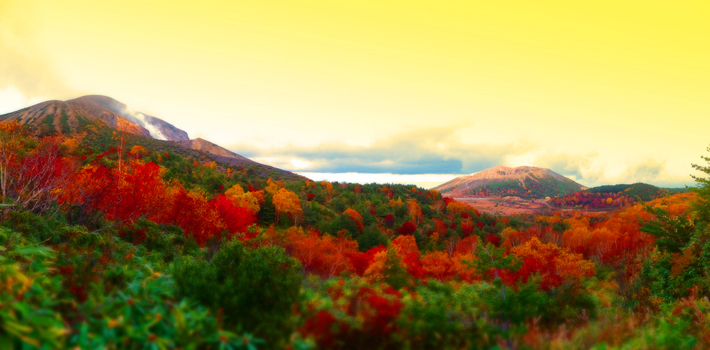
[236,219]
[361,261]
[414,266]
[320,326]
[495,240]
[439,227]
[122,197]
[193,214]
[407,228]
[32,174]
[383,312]
[366,317]
[466,230]
[140,191]
[324,255]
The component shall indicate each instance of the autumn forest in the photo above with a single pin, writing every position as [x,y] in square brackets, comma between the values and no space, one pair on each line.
[114,240]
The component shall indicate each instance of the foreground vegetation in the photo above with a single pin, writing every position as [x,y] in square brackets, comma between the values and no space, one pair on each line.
[125,246]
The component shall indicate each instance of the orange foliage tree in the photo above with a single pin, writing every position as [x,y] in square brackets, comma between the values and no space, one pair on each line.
[554,264]
[355,217]
[324,255]
[414,211]
[438,265]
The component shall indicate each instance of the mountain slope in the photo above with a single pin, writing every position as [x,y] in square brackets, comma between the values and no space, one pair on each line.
[645,191]
[500,181]
[218,152]
[96,117]
[199,144]
[68,116]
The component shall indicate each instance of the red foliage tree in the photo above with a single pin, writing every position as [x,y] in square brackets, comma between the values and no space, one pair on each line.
[360,261]
[235,219]
[407,228]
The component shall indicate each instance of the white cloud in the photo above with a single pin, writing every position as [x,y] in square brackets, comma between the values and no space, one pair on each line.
[12,99]
[300,163]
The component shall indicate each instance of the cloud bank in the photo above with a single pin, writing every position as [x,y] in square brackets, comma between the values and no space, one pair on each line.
[430,151]
[440,151]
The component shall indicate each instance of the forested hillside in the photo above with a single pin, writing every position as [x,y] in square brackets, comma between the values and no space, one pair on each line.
[114,240]
[612,196]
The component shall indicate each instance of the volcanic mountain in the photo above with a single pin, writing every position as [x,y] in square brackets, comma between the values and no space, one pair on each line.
[500,181]
[99,115]
[66,117]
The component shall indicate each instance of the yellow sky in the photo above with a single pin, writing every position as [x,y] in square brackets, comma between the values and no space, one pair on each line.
[603,88]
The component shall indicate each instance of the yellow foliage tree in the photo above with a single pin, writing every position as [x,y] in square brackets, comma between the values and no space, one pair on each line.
[249,201]
[455,208]
[288,202]
[234,191]
[139,150]
[271,187]
[396,203]
[71,144]
[243,199]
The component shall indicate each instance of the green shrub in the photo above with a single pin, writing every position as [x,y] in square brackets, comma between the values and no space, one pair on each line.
[371,237]
[36,312]
[442,315]
[254,287]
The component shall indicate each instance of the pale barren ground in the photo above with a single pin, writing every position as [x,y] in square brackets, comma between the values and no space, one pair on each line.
[515,206]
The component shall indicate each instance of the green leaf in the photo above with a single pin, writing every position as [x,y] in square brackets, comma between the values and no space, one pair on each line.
[33,250]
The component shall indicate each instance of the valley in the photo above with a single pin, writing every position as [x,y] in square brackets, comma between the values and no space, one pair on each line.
[103,215]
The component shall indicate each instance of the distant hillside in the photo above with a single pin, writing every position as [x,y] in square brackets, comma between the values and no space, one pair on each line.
[500,181]
[612,197]
[67,117]
[645,191]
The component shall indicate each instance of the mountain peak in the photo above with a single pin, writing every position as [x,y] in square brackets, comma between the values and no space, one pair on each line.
[500,181]
[65,117]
